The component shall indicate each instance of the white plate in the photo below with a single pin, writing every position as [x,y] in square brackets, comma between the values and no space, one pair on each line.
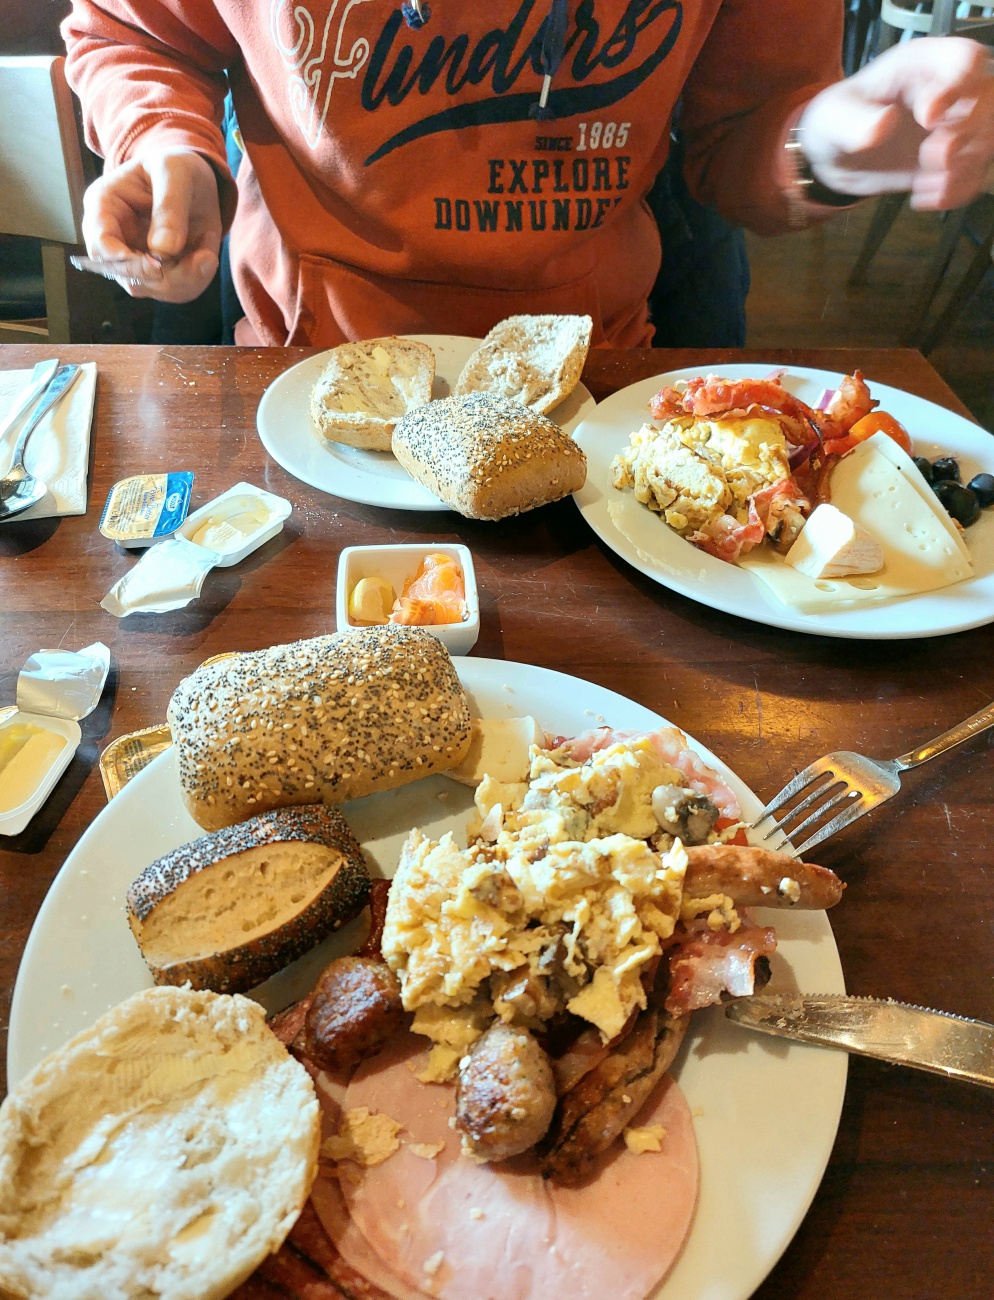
[766,1112]
[662,554]
[372,478]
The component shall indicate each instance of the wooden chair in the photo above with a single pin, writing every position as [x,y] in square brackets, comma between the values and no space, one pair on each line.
[43,172]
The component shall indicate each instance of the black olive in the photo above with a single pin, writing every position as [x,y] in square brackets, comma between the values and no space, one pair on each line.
[946,467]
[961,503]
[982,487]
[925,466]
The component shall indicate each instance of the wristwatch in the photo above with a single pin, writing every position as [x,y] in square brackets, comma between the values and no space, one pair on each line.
[807,188]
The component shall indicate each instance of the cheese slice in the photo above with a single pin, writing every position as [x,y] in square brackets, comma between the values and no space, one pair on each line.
[900,459]
[500,749]
[921,548]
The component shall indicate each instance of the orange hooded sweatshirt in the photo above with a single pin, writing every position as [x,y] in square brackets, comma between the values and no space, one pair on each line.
[396,179]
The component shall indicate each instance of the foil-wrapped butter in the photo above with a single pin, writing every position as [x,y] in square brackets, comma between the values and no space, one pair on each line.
[221,533]
[146,508]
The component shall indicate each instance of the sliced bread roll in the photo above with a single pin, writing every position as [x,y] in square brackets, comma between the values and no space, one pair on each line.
[488,457]
[366,387]
[323,720]
[536,360]
[165,1151]
[236,906]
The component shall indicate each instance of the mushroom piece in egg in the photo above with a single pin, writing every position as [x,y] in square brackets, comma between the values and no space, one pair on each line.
[684,813]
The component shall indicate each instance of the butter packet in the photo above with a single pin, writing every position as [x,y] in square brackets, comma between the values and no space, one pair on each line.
[221,533]
[146,507]
[40,735]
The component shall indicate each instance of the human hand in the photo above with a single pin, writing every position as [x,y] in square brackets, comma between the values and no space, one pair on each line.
[918,119]
[155,224]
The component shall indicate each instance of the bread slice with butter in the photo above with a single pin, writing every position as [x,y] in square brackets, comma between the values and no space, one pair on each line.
[366,387]
[165,1151]
[238,905]
[534,360]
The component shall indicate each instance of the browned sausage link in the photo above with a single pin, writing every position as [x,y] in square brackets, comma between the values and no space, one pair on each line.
[607,1099]
[257,1288]
[355,1009]
[379,896]
[506,1094]
[309,1239]
[289,1022]
[752,877]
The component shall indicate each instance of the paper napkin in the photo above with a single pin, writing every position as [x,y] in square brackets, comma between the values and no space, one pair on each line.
[58,450]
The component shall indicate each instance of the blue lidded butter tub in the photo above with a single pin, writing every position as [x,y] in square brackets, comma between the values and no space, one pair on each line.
[146,508]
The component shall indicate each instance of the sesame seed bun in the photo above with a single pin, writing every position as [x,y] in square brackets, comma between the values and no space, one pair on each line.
[323,720]
[488,457]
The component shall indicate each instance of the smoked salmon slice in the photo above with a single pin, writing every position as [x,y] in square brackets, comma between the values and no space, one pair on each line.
[436,593]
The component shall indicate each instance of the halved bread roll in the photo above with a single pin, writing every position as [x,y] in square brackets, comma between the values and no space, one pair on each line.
[366,387]
[236,906]
[488,457]
[327,719]
[535,360]
[165,1151]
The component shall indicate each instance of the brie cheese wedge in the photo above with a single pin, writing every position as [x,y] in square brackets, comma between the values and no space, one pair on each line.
[831,545]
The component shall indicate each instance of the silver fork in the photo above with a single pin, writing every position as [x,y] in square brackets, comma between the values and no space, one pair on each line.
[850,785]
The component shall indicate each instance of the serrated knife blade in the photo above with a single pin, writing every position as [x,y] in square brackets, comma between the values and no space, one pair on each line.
[935,1041]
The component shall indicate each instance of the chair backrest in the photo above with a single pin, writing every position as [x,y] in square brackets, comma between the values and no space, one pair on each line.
[41,168]
[954,18]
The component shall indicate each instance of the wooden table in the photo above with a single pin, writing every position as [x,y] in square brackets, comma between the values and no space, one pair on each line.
[907,1203]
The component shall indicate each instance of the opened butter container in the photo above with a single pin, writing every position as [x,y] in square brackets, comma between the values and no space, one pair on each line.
[40,735]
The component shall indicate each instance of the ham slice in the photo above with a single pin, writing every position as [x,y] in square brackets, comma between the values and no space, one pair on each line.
[671,746]
[501,1232]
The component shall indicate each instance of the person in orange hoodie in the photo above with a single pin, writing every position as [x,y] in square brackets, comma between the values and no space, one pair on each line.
[413,168]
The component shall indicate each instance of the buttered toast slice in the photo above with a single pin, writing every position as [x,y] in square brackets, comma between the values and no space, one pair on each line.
[366,387]
[534,360]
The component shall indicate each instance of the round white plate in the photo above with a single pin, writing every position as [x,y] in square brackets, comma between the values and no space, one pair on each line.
[660,553]
[372,478]
[766,1111]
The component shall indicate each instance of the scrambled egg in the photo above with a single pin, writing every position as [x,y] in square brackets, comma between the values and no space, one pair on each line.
[366,1138]
[558,903]
[691,471]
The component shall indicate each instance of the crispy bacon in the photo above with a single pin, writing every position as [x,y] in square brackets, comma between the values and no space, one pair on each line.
[708,965]
[726,539]
[308,1267]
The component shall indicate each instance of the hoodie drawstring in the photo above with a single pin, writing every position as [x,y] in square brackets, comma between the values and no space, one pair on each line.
[416,14]
[551,55]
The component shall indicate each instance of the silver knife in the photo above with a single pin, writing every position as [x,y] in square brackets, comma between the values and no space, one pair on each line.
[41,377]
[888,1031]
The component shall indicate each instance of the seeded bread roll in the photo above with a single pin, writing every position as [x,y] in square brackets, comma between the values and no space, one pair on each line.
[328,719]
[166,1151]
[366,387]
[236,906]
[535,360]
[488,457]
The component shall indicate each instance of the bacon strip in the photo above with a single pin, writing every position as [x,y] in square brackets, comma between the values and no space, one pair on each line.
[711,964]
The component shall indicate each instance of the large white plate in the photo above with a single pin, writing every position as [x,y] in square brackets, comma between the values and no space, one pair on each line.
[650,546]
[766,1112]
[373,478]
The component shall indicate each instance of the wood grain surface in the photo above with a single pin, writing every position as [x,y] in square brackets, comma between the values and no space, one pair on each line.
[907,1203]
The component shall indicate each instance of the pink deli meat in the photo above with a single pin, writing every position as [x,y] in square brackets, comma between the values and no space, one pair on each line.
[501,1232]
[671,746]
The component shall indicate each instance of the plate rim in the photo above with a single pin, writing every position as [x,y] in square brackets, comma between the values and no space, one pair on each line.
[831,624]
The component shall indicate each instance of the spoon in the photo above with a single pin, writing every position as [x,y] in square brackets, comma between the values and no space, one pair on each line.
[20,490]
